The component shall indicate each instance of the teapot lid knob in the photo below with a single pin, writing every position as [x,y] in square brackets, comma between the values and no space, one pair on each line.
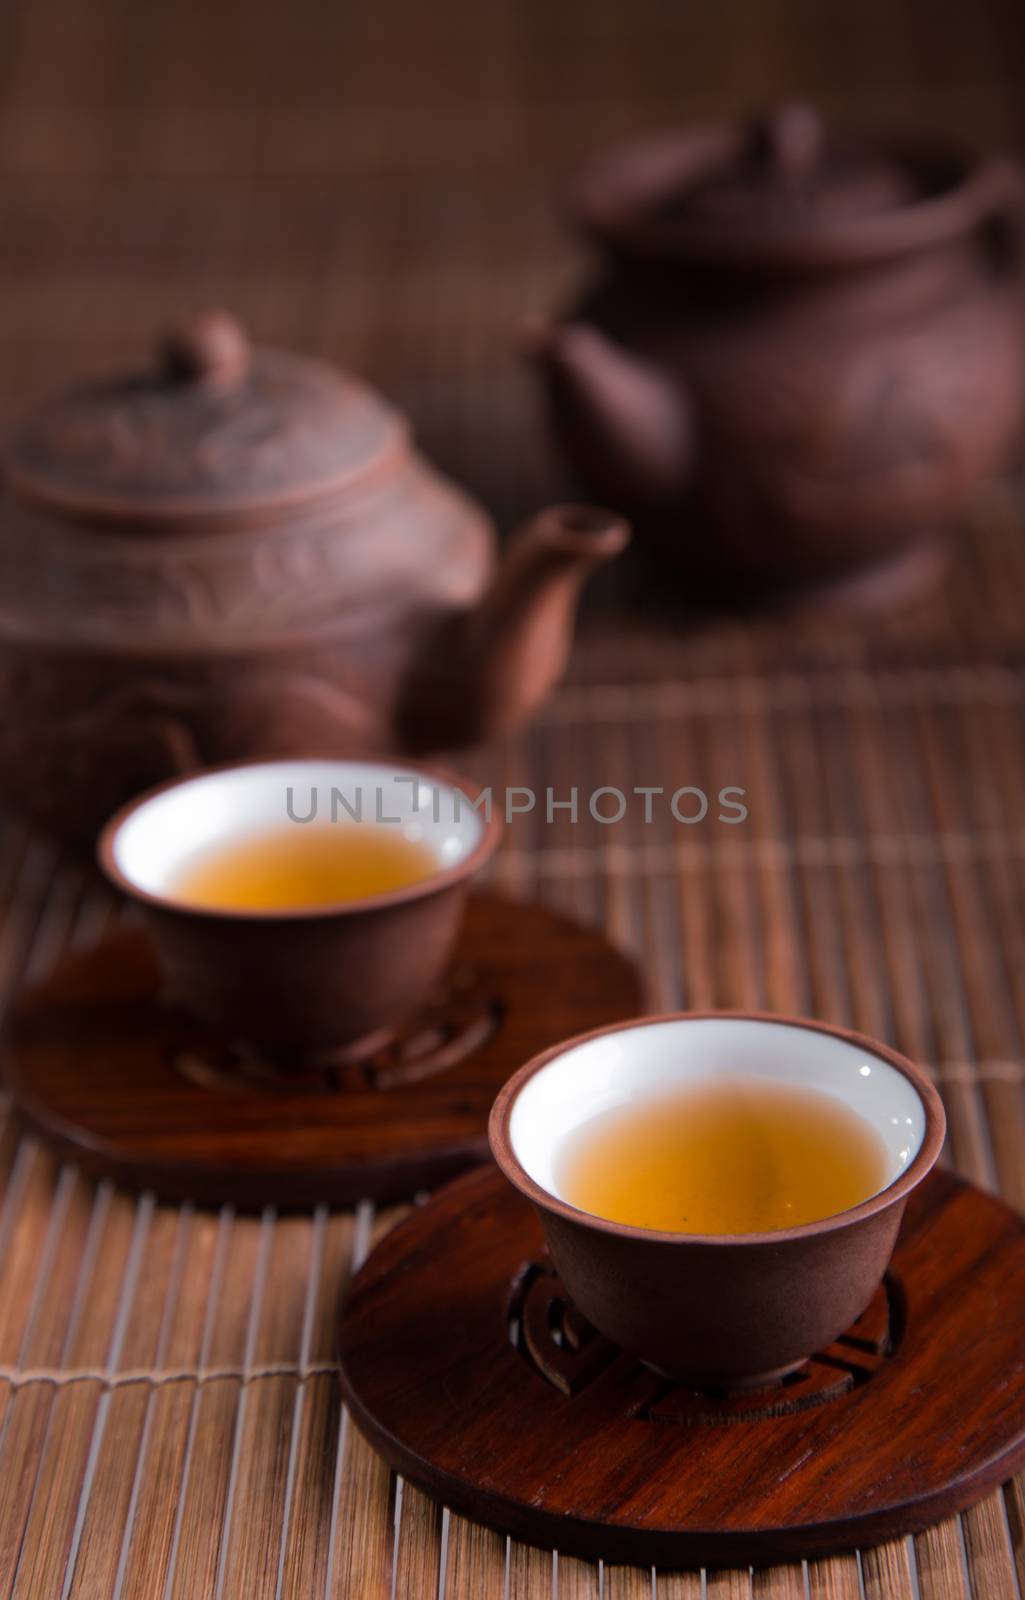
[790,139]
[210,347]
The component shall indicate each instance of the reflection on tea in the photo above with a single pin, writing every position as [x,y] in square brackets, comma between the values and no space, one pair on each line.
[734,1155]
[295,867]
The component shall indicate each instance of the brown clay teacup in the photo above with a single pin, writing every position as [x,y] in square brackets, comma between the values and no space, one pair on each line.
[300,986]
[717,1310]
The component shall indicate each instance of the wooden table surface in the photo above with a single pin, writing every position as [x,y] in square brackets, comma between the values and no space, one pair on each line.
[377,183]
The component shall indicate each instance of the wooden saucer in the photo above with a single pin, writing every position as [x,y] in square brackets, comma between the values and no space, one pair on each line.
[131,1090]
[467,1370]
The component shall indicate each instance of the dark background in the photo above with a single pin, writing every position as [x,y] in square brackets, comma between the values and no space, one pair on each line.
[380,181]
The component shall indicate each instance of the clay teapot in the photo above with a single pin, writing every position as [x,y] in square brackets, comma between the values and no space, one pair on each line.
[240,554]
[799,355]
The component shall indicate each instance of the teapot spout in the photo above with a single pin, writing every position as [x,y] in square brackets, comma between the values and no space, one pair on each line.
[487,669]
[628,428]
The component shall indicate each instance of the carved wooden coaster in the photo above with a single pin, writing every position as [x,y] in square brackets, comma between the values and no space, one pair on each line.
[467,1369]
[132,1090]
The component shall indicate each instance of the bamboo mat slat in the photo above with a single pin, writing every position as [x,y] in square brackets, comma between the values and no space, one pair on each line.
[675,1586]
[940,1557]
[889,1572]
[835,1579]
[475,1562]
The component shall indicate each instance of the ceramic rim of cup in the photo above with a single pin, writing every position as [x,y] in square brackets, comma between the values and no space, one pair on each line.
[477,845]
[501,1134]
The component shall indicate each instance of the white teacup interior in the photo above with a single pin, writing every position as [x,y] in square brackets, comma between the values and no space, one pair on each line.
[159,838]
[637,1063]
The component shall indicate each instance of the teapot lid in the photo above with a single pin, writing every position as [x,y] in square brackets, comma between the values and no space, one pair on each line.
[785,172]
[216,432]
[780,190]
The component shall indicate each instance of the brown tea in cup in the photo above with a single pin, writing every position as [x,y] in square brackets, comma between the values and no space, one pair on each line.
[297,865]
[734,1155]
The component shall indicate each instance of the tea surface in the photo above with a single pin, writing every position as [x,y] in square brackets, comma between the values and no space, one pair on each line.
[303,865]
[737,1155]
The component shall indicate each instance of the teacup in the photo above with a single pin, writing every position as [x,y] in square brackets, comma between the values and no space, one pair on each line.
[717,1310]
[300,986]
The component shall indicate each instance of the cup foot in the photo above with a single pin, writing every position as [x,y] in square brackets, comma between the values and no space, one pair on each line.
[565,1349]
[726,1388]
[451,1024]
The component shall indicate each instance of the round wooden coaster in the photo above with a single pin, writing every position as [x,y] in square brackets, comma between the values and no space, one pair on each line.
[465,1367]
[131,1090]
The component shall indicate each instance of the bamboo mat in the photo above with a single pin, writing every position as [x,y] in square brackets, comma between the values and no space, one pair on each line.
[171,1424]
[376,183]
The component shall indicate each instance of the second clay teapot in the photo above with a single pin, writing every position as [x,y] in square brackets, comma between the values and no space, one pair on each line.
[799,355]
[240,553]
